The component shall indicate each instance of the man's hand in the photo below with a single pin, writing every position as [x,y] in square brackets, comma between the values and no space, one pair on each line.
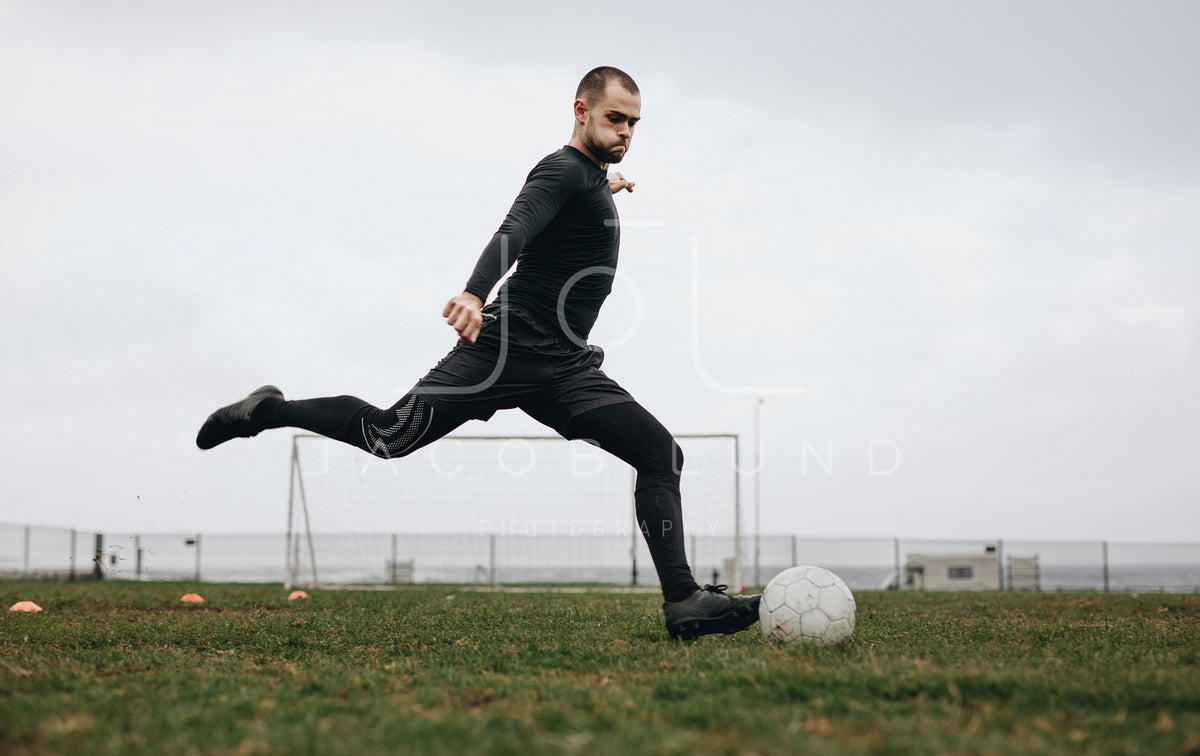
[617,182]
[462,313]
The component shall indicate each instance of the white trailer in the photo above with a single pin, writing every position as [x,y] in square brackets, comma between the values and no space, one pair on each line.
[951,572]
[964,572]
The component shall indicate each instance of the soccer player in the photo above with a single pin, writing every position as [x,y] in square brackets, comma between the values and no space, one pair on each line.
[528,349]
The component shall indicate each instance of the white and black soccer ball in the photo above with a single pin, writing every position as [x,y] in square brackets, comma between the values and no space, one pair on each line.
[807,605]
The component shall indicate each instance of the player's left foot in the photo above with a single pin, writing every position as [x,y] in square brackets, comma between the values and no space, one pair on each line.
[710,611]
[234,421]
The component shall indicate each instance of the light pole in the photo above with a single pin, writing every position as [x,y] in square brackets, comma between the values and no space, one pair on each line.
[757,492]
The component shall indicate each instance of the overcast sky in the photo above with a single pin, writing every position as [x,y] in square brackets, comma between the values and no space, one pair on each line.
[962,236]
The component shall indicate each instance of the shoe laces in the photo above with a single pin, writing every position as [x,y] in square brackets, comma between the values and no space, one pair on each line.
[716,588]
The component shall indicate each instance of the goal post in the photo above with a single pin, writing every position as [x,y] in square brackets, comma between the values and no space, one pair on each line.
[498,509]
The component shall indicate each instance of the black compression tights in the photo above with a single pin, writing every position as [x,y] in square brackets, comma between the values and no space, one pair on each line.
[630,433]
[625,430]
[397,431]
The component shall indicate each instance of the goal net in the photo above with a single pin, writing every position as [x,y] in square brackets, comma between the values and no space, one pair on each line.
[493,510]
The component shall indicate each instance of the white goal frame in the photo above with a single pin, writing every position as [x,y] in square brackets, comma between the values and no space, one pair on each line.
[300,536]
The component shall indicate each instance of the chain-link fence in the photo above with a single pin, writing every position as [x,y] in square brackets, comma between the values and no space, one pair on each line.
[34,552]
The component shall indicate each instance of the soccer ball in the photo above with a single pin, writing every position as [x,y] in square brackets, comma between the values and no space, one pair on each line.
[807,605]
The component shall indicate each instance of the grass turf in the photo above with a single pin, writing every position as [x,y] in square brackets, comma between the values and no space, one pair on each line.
[124,667]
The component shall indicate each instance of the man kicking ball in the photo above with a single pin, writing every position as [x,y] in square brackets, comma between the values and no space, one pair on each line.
[528,349]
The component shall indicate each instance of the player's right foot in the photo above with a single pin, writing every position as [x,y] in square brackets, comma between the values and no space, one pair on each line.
[234,421]
[710,611]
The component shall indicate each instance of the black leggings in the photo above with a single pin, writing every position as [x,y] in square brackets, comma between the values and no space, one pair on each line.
[633,435]
[398,431]
[625,430]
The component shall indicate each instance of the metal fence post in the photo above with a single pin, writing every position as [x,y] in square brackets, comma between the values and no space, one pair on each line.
[1000,560]
[633,543]
[197,557]
[692,551]
[1104,558]
[296,556]
[395,557]
[98,559]
[757,492]
[71,575]
[492,559]
[896,556]
[738,580]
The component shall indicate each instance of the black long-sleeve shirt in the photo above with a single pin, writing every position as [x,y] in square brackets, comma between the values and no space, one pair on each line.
[563,233]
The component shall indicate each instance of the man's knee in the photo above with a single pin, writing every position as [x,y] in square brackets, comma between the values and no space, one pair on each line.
[677,453]
[663,458]
[400,430]
[666,462]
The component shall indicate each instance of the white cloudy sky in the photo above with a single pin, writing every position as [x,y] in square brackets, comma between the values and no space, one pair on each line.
[970,232]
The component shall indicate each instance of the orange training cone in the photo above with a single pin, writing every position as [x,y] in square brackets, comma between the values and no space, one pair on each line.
[191,598]
[297,595]
[24,606]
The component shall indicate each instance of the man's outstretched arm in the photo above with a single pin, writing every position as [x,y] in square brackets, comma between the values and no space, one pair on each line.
[546,189]
[539,201]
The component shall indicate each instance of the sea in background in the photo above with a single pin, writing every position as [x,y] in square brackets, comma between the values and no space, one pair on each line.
[573,556]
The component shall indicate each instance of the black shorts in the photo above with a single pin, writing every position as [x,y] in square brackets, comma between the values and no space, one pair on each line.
[517,361]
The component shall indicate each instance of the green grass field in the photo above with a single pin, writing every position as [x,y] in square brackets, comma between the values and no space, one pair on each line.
[125,668]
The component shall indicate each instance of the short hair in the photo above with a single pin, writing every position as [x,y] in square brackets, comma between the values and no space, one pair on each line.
[594,83]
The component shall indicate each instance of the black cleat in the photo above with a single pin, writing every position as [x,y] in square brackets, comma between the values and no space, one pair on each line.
[710,611]
[234,421]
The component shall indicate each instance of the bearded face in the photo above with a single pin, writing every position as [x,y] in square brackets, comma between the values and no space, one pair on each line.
[608,130]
